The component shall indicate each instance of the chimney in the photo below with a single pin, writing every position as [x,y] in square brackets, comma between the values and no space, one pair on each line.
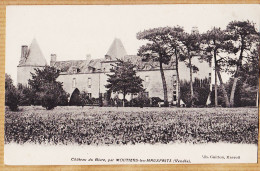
[88,57]
[24,51]
[194,30]
[53,59]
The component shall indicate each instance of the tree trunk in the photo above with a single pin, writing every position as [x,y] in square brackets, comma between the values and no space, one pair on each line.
[216,80]
[233,90]
[239,64]
[223,88]
[164,86]
[178,81]
[124,100]
[191,84]
[216,89]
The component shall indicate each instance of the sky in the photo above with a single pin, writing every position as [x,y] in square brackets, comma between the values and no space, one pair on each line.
[72,32]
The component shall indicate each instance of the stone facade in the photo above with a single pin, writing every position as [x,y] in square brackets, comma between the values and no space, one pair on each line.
[90,75]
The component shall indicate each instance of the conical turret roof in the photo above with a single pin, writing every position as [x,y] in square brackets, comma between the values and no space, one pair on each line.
[35,56]
[116,50]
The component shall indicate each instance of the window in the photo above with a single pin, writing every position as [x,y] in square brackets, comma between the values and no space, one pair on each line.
[209,76]
[147,79]
[74,83]
[89,95]
[78,70]
[174,79]
[174,95]
[89,82]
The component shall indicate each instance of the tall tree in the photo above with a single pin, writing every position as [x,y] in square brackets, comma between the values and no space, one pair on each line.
[157,50]
[250,73]
[213,42]
[175,35]
[244,37]
[190,48]
[45,87]
[124,79]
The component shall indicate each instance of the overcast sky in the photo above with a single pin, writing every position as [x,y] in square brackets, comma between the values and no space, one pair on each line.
[71,32]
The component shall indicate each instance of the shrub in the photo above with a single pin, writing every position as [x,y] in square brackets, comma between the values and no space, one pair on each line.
[50,97]
[75,99]
[49,101]
[63,99]
[155,101]
[140,101]
[26,95]
[201,90]
[11,94]
[12,99]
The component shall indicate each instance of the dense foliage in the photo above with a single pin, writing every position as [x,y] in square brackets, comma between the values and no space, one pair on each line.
[124,79]
[45,88]
[11,94]
[201,92]
[26,95]
[100,126]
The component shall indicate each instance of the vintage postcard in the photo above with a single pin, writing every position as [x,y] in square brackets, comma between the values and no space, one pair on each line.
[131,84]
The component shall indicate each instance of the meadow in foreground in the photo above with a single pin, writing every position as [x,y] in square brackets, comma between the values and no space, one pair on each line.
[114,126]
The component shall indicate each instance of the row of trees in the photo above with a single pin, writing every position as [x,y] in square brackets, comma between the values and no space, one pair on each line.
[233,50]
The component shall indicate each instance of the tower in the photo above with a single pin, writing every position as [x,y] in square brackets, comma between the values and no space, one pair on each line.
[31,58]
[116,51]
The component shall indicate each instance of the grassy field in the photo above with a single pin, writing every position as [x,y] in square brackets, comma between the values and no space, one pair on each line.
[108,126]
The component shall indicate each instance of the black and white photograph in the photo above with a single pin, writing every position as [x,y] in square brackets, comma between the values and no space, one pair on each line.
[131,84]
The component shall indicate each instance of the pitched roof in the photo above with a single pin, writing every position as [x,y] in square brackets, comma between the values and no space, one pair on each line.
[116,50]
[78,66]
[34,56]
[147,65]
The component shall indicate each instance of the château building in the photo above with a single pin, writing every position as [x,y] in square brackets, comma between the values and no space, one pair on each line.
[90,75]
